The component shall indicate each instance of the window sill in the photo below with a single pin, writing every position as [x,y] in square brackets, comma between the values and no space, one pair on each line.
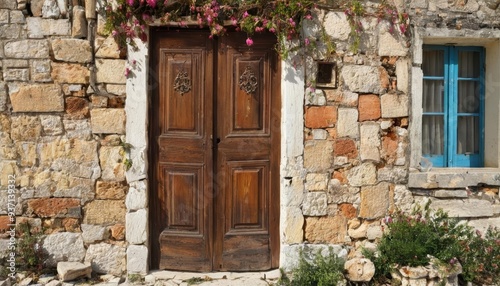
[453,178]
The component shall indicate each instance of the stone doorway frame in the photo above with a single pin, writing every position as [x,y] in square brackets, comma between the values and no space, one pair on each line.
[291,162]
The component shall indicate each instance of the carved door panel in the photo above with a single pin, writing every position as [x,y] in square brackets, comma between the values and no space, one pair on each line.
[247,155]
[215,152]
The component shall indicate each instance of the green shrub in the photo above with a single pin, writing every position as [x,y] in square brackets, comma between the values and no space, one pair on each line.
[321,271]
[30,255]
[411,238]
[480,257]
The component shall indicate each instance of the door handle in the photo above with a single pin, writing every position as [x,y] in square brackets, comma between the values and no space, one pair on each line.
[217,140]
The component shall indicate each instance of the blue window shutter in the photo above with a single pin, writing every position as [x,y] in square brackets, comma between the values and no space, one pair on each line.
[472,159]
[453,117]
[440,160]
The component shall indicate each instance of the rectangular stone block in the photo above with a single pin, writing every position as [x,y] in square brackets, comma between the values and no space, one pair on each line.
[136,227]
[347,124]
[104,212]
[316,182]
[8,4]
[3,96]
[16,74]
[111,71]
[111,161]
[363,79]
[70,73]
[369,107]
[4,16]
[108,120]
[137,259]
[8,63]
[450,194]
[71,50]
[10,31]
[318,155]
[315,204]
[390,45]
[111,190]
[55,207]
[40,71]
[108,49]
[327,229]
[394,105]
[320,117]
[25,49]
[37,98]
[374,201]
[39,27]
[464,208]
[17,17]
[370,141]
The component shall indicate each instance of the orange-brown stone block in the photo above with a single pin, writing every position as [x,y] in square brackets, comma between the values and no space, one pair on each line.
[369,107]
[346,147]
[55,207]
[320,117]
[331,229]
[4,223]
[77,108]
[118,231]
[348,210]
[389,147]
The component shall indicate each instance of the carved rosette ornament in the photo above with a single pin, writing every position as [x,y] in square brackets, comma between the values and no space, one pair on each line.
[182,83]
[248,81]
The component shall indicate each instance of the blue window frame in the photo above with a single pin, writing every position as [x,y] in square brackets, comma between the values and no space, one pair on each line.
[453,106]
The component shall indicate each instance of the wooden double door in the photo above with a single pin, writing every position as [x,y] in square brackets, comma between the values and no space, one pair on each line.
[215,152]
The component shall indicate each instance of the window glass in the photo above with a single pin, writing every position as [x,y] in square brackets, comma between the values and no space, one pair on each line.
[433,100]
[432,135]
[468,64]
[468,96]
[433,64]
[468,135]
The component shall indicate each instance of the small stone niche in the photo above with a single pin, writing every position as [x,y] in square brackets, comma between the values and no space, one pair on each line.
[326,75]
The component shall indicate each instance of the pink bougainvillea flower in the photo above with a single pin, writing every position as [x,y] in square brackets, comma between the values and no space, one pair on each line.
[127,72]
[130,2]
[151,3]
[272,30]
[259,29]
[114,33]
[249,42]
[402,28]
[309,16]
[234,21]
[307,41]
[245,15]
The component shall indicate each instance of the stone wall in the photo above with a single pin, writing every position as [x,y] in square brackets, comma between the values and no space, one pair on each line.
[62,132]
[349,152]
[360,137]
[356,144]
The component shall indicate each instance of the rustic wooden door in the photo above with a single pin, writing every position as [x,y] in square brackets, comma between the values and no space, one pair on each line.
[215,151]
